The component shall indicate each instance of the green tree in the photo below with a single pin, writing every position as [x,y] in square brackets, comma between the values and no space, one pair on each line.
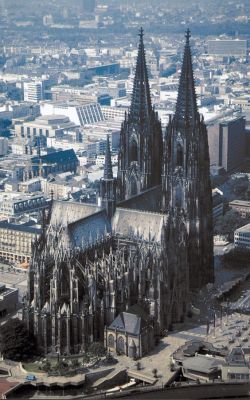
[97,349]
[154,372]
[16,343]
[240,185]
[229,222]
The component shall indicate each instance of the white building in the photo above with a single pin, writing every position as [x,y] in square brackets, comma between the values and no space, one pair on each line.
[45,125]
[48,20]
[242,237]
[115,113]
[33,91]
[79,113]
[30,186]
[65,143]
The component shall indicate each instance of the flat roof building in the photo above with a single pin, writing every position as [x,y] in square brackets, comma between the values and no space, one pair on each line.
[242,237]
[46,125]
[79,113]
[242,206]
[228,48]
[227,142]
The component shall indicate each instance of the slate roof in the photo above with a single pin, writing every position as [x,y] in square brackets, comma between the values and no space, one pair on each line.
[141,224]
[57,157]
[132,321]
[20,228]
[89,229]
[67,212]
[149,200]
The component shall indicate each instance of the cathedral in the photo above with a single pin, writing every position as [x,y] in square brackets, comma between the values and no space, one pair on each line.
[147,243]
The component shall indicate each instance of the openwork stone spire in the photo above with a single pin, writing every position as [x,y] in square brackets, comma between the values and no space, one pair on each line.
[140,155]
[186,106]
[141,105]
[186,176]
[108,172]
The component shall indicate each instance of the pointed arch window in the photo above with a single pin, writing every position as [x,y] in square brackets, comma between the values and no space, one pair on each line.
[133,151]
[179,155]
[133,186]
[120,345]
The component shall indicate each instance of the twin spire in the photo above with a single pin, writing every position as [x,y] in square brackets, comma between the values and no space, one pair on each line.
[141,106]
[186,111]
[186,106]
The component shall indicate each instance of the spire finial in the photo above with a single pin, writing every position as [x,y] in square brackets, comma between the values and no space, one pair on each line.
[188,35]
[141,105]
[108,173]
[186,106]
[141,33]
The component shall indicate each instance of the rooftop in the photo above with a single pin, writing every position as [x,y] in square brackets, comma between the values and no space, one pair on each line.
[245,228]
[20,228]
[244,203]
[203,364]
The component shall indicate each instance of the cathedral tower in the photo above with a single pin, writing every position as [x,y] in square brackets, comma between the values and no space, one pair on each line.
[140,155]
[186,175]
[108,184]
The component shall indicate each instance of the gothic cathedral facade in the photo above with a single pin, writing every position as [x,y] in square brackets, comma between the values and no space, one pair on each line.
[149,240]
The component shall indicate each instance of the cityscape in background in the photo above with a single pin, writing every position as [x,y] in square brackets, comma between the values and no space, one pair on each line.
[124,198]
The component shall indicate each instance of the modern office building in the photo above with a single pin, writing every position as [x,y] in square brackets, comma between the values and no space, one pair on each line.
[242,237]
[114,113]
[33,91]
[62,93]
[79,113]
[227,143]
[227,48]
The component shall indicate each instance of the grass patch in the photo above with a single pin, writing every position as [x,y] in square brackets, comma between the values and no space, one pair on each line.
[32,367]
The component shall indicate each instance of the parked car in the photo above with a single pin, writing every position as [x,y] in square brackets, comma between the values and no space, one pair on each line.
[30,378]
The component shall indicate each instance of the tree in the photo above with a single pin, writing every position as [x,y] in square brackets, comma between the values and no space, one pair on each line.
[46,366]
[229,222]
[97,349]
[240,185]
[154,372]
[16,343]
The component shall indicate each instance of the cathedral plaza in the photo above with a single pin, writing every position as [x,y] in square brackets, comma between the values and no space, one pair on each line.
[159,359]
